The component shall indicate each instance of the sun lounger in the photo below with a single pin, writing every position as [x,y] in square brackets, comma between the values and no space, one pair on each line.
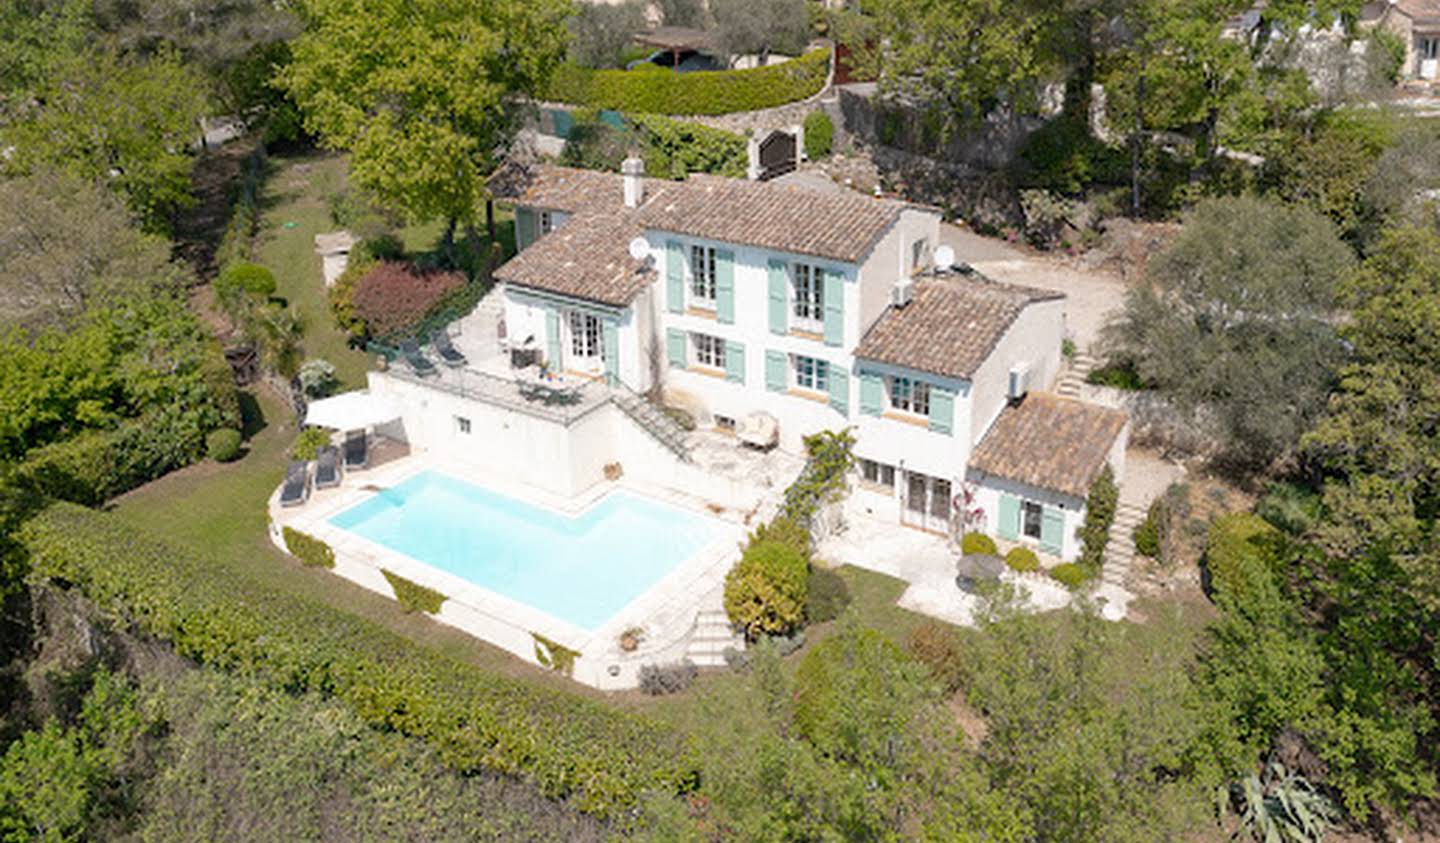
[327,467]
[297,484]
[417,361]
[357,450]
[449,355]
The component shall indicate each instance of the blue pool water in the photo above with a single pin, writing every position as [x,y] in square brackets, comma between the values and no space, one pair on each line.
[582,570]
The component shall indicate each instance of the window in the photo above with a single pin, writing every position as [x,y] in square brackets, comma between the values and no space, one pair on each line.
[812,374]
[809,299]
[1429,48]
[939,498]
[910,396]
[709,351]
[725,423]
[702,275]
[877,473]
[547,222]
[584,335]
[462,424]
[1030,518]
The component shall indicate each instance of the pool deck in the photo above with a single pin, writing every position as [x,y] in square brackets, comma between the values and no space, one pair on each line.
[667,611]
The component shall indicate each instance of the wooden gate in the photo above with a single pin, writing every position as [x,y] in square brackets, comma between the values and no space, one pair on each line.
[777,154]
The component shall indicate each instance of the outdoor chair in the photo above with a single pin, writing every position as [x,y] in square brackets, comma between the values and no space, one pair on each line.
[327,467]
[357,450]
[449,355]
[418,362]
[297,484]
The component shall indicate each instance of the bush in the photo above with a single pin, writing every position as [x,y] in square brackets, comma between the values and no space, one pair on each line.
[342,297]
[1062,156]
[317,378]
[245,278]
[1069,574]
[1238,549]
[675,149]
[1290,507]
[819,135]
[1147,534]
[765,592]
[554,655]
[1100,509]
[826,595]
[568,746]
[977,544]
[223,445]
[1022,559]
[787,531]
[658,680]
[936,646]
[412,596]
[309,550]
[1117,375]
[308,444]
[661,91]
[381,247]
[393,297]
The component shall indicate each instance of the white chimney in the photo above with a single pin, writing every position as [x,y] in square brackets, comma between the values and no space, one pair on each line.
[752,155]
[632,172]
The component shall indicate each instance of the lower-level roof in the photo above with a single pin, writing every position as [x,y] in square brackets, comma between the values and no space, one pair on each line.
[1050,442]
[588,258]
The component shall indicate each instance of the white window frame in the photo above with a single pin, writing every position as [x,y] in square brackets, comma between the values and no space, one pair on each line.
[877,473]
[707,350]
[908,395]
[1027,508]
[587,341]
[462,425]
[702,276]
[807,296]
[545,222]
[810,373]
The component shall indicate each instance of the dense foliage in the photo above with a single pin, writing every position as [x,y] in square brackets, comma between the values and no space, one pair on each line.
[1100,506]
[393,297]
[1022,559]
[972,544]
[412,595]
[713,92]
[765,591]
[601,32]
[308,549]
[819,135]
[669,148]
[569,747]
[760,27]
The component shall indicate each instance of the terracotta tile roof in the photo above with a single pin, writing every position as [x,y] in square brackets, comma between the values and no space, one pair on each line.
[950,325]
[840,226]
[563,188]
[1049,442]
[1428,10]
[588,257]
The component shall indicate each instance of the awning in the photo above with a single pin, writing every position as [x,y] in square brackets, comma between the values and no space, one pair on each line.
[351,411]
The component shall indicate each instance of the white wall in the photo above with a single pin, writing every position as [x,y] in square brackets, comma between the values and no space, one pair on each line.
[1033,339]
[987,497]
[915,447]
[891,260]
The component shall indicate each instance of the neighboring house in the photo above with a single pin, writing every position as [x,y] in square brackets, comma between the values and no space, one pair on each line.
[824,311]
[1417,24]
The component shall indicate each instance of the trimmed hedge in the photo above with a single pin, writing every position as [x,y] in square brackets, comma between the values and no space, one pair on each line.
[570,747]
[707,92]
[819,135]
[413,596]
[309,550]
[1022,559]
[973,544]
[1069,574]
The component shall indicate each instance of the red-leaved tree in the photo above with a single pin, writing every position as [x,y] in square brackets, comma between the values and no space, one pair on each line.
[394,296]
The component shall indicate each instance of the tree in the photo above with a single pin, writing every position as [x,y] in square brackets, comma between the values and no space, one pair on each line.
[686,13]
[760,27]
[1231,324]
[600,32]
[765,591]
[423,94]
[1100,508]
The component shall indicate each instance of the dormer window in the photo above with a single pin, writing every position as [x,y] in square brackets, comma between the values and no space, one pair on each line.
[702,276]
[808,302]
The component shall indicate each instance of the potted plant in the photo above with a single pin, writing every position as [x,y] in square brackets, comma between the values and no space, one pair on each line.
[630,639]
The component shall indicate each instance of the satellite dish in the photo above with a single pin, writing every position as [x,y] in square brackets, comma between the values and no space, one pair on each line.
[639,248]
[944,258]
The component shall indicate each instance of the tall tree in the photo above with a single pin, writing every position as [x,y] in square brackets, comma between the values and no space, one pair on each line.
[423,94]
[760,27]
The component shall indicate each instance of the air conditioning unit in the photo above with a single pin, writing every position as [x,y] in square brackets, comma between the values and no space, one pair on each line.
[1019,382]
[902,292]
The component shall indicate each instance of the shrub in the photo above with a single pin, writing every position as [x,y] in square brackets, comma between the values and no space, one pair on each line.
[311,551]
[1147,535]
[342,297]
[1238,549]
[658,680]
[317,377]
[675,149]
[765,592]
[309,442]
[1100,508]
[1062,156]
[660,91]
[1120,375]
[223,445]
[251,279]
[1022,559]
[683,418]
[1290,507]
[1388,52]
[977,544]
[568,746]
[819,135]
[936,646]
[826,595]
[412,596]
[393,297]
[787,531]
[1069,574]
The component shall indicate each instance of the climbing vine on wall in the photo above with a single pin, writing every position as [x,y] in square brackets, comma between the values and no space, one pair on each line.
[823,479]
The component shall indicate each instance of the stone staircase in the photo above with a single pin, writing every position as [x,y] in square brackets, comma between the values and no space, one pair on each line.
[1120,550]
[1072,377]
[653,421]
[711,637]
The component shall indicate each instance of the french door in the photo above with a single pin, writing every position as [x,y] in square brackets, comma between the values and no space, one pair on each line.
[587,348]
[926,502]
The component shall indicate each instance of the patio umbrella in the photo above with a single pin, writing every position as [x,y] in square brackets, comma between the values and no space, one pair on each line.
[351,411]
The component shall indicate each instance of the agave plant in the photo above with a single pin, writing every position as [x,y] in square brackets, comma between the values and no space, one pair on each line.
[1280,806]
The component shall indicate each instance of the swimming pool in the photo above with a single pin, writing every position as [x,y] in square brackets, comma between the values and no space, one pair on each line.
[582,570]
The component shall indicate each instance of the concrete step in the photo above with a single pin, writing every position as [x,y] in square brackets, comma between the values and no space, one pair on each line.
[707,660]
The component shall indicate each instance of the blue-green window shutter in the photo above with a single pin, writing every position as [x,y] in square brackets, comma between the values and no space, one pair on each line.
[1052,529]
[834,308]
[779,297]
[552,338]
[674,277]
[612,351]
[942,410]
[1008,525]
[675,347]
[725,287]
[775,374]
[872,390]
[524,228]
[734,361]
[840,390]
